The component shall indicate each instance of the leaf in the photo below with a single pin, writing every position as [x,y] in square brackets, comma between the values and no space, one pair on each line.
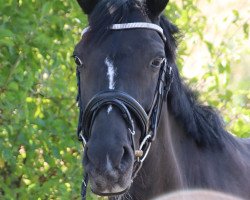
[5,32]
[6,154]
[210,47]
[46,8]
[13,86]
[6,41]
[236,15]
[246,30]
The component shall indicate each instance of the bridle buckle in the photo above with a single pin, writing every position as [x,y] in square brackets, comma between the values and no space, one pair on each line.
[142,152]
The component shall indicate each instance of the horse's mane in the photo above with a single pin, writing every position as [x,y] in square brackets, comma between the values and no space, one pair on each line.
[202,123]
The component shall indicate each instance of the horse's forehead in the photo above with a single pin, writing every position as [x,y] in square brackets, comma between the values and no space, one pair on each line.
[123,44]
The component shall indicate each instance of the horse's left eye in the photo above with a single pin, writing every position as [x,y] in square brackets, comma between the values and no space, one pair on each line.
[157,62]
[78,61]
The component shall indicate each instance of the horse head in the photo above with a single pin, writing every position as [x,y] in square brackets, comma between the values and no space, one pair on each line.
[122,69]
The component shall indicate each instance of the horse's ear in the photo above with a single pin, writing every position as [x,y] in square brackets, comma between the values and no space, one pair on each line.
[155,7]
[87,5]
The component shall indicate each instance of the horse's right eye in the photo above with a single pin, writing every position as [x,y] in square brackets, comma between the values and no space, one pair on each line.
[157,62]
[78,61]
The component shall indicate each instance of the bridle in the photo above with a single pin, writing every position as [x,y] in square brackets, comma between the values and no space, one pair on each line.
[147,121]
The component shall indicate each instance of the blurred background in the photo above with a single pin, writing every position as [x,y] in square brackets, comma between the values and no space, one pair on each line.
[40,156]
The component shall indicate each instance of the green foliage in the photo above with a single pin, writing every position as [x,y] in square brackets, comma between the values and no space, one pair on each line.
[40,156]
[224,79]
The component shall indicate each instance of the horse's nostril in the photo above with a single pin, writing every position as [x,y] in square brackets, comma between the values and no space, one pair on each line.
[125,156]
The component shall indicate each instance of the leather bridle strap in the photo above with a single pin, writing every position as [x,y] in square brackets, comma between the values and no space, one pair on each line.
[125,104]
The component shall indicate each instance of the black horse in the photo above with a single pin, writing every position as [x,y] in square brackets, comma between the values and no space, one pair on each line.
[131,98]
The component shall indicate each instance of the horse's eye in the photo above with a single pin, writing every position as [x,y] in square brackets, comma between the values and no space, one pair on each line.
[78,61]
[157,62]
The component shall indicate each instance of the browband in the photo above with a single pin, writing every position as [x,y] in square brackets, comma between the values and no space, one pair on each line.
[135,25]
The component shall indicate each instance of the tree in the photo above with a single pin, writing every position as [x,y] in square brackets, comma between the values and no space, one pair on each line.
[40,155]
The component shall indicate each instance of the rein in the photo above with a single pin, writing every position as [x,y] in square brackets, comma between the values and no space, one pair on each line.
[148,121]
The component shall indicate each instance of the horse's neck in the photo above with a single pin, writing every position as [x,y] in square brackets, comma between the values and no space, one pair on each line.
[165,168]
[176,162]
[195,165]
[160,172]
[169,144]
[192,163]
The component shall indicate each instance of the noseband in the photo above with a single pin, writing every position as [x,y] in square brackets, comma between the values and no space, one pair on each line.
[128,106]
